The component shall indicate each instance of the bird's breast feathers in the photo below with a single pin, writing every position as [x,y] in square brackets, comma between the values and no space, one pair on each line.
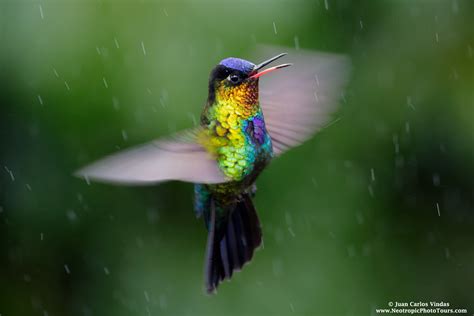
[237,136]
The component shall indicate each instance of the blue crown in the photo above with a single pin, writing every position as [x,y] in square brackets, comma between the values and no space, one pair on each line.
[238,64]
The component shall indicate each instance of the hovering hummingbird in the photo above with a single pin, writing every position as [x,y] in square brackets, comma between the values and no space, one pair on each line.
[239,134]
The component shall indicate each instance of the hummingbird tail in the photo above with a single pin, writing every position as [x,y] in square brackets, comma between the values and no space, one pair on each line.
[232,242]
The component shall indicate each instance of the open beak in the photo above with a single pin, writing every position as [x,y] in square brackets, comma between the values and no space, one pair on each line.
[266,62]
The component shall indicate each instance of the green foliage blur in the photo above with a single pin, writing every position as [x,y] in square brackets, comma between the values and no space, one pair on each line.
[378,207]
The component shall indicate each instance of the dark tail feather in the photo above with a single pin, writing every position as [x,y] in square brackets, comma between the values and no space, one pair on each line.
[231,243]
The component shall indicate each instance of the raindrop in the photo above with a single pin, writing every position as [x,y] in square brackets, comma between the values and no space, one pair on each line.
[67,85]
[343,97]
[437,209]
[326,4]
[455,7]
[274,28]
[41,12]
[317,79]
[10,173]
[147,298]
[288,219]
[165,12]
[143,48]
[66,268]
[410,103]
[98,50]
[395,143]
[192,116]
[105,83]
[292,233]
[124,135]
[436,180]
[106,271]
[163,97]
[292,307]
[297,42]
[40,99]
[455,74]
[372,174]
[28,187]
[115,103]
[447,253]
[55,72]
[437,37]
[41,236]
[116,43]
[407,127]
[71,215]
[371,191]
[361,24]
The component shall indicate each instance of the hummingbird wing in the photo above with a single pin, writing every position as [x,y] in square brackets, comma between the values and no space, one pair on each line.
[298,101]
[176,158]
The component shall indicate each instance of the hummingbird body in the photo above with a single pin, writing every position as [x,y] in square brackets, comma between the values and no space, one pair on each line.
[234,131]
[242,129]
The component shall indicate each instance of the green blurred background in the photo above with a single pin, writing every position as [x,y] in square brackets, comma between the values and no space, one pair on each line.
[377,208]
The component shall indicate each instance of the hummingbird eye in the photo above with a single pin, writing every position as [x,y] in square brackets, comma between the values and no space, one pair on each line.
[233,78]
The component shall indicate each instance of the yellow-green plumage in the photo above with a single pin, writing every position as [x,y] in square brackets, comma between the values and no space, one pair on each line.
[228,133]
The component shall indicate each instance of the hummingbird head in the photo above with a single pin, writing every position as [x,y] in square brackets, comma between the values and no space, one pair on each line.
[235,80]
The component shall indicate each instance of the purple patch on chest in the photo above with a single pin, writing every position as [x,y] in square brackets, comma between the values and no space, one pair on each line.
[256,130]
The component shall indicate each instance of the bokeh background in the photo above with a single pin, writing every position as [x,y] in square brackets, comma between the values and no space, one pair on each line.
[377,208]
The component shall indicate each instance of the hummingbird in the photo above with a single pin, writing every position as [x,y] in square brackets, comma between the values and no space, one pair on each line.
[242,129]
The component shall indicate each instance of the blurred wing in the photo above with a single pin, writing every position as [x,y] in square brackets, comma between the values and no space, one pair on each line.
[178,158]
[298,100]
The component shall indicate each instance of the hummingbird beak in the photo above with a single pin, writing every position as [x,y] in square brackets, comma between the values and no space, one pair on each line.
[266,62]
